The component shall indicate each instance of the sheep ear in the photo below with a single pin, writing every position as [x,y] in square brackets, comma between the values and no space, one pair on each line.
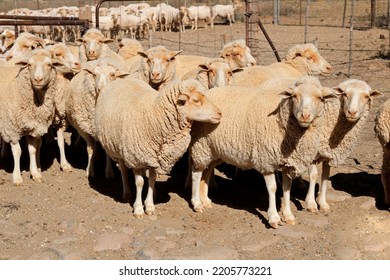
[328,93]
[107,40]
[286,94]
[22,64]
[121,74]
[338,90]
[57,64]
[173,54]
[237,70]
[144,55]
[79,41]
[376,93]
[203,67]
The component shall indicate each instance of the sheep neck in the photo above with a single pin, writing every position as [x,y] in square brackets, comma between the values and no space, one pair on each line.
[173,129]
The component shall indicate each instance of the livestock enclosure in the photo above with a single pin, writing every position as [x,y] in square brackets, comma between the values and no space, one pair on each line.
[68,216]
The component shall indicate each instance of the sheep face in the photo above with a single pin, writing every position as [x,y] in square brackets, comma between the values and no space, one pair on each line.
[24,45]
[313,61]
[193,104]
[219,73]
[238,55]
[104,74]
[93,44]
[357,98]
[160,63]
[61,53]
[307,100]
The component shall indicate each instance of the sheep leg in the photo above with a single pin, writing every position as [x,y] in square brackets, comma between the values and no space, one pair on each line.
[64,164]
[195,198]
[16,153]
[125,181]
[310,200]
[33,150]
[90,151]
[109,171]
[149,204]
[273,216]
[139,183]
[286,209]
[204,186]
[321,199]
[385,174]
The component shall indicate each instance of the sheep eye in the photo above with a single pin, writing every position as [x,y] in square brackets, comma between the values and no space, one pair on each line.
[58,54]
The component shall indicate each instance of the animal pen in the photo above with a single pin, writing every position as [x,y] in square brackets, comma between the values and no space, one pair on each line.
[257,22]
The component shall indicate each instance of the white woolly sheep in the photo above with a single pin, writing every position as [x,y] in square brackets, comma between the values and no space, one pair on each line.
[237,54]
[215,72]
[265,136]
[83,91]
[382,131]
[33,89]
[301,60]
[94,45]
[145,129]
[7,39]
[187,63]
[344,122]
[157,67]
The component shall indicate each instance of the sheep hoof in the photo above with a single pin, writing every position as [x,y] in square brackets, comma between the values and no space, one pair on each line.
[38,179]
[290,222]
[139,216]
[275,225]
[312,210]
[17,183]
[199,209]
[66,168]
[149,212]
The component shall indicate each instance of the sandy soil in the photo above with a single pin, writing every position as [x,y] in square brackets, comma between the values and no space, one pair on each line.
[70,217]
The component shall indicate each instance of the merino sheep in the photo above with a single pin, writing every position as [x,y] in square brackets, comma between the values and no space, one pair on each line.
[144,129]
[344,122]
[129,50]
[265,136]
[301,60]
[33,89]
[70,65]
[237,54]
[215,72]
[187,63]
[94,45]
[382,131]
[157,67]
[81,98]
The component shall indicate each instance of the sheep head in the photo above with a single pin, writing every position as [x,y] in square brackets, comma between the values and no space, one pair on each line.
[307,58]
[307,97]
[40,66]
[159,63]
[218,72]
[93,42]
[61,53]
[194,105]
[357,98]
[238,54]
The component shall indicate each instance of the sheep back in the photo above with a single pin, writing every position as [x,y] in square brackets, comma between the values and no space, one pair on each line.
[253,133]
[133,124]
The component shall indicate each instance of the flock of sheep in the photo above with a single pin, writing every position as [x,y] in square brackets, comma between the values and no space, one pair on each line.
[147,108]
[133,20]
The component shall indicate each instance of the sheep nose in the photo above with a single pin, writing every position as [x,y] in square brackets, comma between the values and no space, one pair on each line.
[352,113]
[38,80]
[76,65]
[155,75]
[253,63]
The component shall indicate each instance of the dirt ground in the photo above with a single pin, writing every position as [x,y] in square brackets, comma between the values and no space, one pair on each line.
[70,217]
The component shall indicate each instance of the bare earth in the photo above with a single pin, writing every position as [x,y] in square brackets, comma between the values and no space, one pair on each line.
[70,217]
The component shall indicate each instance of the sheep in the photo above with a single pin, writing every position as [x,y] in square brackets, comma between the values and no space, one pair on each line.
[382,132]
[7,39]
[70,65]
[196,13]
[226,11]
[344,120]
[23,46]
[215,72]
[93,45]
[157,67]
[301,60]
[237,54]
[266,136]
[28,107]
[144,129]
[128,50]
[187,63]
[80,103]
